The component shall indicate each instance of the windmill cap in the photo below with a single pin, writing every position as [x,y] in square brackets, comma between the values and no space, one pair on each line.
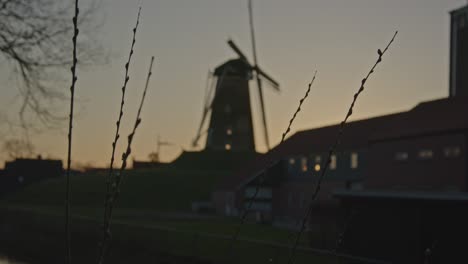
[234,67]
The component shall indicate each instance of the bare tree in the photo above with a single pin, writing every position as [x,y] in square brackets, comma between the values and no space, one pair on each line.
[35,42]
[18,148]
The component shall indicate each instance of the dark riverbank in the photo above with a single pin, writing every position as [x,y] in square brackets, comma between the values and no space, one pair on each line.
[35,235]
[38,239]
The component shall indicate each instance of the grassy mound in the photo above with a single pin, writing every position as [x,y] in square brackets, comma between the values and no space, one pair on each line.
[164,190]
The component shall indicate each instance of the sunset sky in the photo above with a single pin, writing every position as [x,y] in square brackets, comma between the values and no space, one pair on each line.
[338,38]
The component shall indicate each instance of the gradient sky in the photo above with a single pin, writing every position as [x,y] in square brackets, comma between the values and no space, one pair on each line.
[339,38]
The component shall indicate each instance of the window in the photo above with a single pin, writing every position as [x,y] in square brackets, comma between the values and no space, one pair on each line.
[452,152]
[425,154]
[401,156]
[356,186]
[261,193]
[304,164]
[227,109]
[318,159]
[333,162]
[317,167]
[354,160]
[258,206]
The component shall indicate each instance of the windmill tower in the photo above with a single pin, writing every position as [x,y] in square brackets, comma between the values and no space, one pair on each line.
[228,99]
[231,125]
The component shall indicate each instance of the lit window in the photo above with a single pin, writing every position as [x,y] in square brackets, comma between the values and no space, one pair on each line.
[425,154]
[354,160]
[333,162]
[452,152]
[292,161]
[401,156]
[227,146]
[317,167]
[304,164]
[229,131]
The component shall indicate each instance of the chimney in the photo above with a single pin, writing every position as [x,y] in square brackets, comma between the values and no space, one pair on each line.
[459,52]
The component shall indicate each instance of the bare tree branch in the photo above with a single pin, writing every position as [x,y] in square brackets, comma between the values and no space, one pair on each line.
[34,38]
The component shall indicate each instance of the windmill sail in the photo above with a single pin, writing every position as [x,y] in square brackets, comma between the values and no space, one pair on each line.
[231,126]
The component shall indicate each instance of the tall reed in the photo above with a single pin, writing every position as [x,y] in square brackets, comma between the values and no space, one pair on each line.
[70,130]
[264,171]
[119,119]
[118,179]
[333,149]
[109,178]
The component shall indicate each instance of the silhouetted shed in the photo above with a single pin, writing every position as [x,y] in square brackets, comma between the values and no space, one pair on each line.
[21,172]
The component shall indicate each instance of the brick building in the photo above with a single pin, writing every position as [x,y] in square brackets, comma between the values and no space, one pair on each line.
[406,174]
[422,149]
[414,210]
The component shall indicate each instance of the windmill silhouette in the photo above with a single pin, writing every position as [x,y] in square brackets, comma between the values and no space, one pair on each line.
[227,98]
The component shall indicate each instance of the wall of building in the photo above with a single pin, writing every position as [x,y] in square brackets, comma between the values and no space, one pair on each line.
[426,163]
[292,195]
[292,198]
[345,164]
[224,203]
[407,231]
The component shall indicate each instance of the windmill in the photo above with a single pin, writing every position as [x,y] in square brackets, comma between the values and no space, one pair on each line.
[227,97]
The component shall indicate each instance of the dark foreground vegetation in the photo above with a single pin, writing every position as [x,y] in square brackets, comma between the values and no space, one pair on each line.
[38,238]
[152,224]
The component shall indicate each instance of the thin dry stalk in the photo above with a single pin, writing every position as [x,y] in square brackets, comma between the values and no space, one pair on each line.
[119,120]
[333,148]
[118,178]
[298,109]
[70,130]
[262,174]
[109,178]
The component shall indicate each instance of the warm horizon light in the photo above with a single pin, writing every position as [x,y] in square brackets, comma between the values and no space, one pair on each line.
[337,38]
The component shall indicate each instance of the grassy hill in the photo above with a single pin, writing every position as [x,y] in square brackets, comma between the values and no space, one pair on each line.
[143,221]
[162,190]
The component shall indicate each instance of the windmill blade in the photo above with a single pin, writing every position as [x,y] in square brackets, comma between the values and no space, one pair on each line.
[237,50]
[207,107]
[252,34]
[262,105]
[267,77]
[257,75]
[199,134]
[208,88]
